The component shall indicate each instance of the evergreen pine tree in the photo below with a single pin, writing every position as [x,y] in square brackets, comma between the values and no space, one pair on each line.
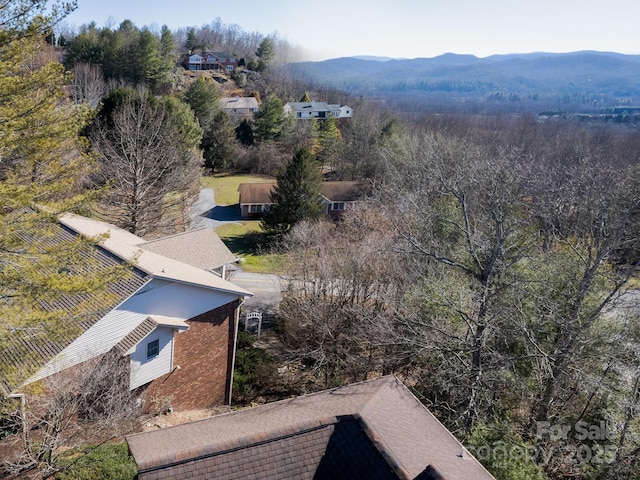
[270,121]
[296,196]
[265,53]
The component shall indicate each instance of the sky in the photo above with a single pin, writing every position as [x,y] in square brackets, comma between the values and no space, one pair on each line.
[397,28]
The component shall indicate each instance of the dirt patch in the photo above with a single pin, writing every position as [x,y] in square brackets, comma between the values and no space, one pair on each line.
[178,418]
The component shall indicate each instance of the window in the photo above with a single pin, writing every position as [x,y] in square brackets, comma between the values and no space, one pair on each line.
[255,208]
[230,68]
[337,206]
[153,348]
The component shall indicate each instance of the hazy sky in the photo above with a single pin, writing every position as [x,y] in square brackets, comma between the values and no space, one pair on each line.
[398,28]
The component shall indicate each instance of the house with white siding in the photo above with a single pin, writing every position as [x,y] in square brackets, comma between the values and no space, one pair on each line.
[171,313]
[317,110]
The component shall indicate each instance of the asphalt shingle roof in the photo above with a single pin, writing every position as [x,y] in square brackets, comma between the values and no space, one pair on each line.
[260,193]
[30,348]
[378,422]
[200,248]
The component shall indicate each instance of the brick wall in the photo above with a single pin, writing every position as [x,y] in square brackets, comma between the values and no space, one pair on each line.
[204,354]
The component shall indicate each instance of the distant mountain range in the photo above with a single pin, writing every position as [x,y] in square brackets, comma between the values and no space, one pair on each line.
[585,82]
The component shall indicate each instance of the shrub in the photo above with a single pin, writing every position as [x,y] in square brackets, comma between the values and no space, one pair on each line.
[110,461]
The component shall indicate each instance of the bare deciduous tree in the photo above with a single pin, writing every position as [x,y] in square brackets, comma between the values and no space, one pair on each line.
[341,276]
[88,84]
[152,170]
[87,403]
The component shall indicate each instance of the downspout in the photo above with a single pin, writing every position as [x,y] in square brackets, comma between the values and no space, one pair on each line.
[235,343]
[23,416]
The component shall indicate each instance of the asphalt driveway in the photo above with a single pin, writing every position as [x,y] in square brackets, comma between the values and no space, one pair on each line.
[205,213]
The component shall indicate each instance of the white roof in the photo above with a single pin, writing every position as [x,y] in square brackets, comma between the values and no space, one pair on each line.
[130,247]
[239,102]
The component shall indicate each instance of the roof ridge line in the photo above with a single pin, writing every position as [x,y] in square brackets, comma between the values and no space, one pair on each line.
[146,242]
[229,446]
[381,446]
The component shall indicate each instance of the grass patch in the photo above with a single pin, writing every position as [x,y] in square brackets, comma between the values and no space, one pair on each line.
[225,187]
[110,461]
[228,230]
[245,238]
[246,241]
[268,263]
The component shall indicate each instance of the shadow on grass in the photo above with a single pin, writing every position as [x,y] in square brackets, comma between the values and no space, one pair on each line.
[251,243]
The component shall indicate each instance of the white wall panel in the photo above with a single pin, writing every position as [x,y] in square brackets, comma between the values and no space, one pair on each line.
[143,370]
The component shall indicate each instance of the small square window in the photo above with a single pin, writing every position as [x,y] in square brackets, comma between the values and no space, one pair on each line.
[153,348]
[337,206]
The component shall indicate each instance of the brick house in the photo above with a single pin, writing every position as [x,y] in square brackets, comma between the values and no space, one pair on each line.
[171,315]
[370,430]
[336,197]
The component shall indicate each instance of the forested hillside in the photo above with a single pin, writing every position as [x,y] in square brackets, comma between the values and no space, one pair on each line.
[492,266]
[579,82]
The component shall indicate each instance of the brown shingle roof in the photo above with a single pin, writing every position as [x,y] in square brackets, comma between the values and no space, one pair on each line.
[381,419]
[255,193]
[343,191]
[260,193]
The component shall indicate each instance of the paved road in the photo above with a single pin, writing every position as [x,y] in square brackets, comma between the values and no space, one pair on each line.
[266,288]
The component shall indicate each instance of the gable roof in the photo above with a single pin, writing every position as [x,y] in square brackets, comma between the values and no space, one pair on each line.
[377,422]
[31,348]
[130,247]
[343,191]
[337,191]
[200,248]
[255,193]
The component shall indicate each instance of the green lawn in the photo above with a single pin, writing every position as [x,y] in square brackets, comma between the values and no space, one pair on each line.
[225,187]
[245,240]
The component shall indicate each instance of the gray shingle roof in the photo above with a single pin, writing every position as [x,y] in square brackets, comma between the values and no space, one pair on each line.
[378,422]
[31,348]
[200,248]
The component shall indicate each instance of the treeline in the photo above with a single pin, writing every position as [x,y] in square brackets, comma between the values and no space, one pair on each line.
[130,54]
[144,56]
[492,270]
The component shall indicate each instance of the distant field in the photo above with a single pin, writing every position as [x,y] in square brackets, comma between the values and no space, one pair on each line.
[225,187]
